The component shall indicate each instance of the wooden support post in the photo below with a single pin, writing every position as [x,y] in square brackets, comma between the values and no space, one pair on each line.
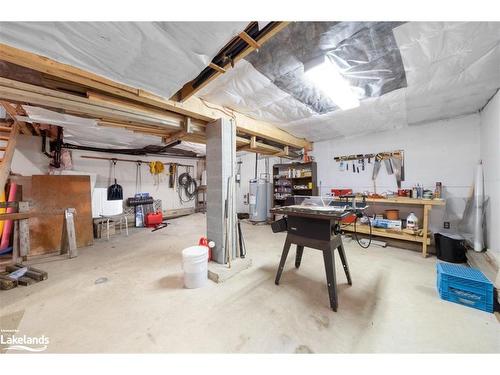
[24,232]
[425,227]
[187,125]
[253,142]
[9,151]
[15,243]
[68,242]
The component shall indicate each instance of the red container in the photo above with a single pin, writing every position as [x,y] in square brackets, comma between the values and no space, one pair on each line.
[204,242]
[153,219]
[349,219]
[339,192]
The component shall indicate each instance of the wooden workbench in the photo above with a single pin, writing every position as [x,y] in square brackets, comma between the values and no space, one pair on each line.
[426,204]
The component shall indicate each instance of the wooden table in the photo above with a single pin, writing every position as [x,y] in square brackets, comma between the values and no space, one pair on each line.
[426,204]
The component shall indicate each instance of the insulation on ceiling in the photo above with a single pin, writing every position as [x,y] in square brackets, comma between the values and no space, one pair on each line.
[365,53]
[86,132]
[407,74]
[155,56]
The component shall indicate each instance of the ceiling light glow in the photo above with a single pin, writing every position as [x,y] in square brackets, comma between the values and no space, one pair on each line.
[326,76]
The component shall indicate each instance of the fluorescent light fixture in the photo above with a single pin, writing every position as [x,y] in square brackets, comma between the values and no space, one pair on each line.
[326,76]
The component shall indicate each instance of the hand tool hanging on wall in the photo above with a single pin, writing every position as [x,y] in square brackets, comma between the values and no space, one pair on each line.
[388,166]
[138,177]
[402,166]
[115,191]
[172,174]
[376,166]
[396,166]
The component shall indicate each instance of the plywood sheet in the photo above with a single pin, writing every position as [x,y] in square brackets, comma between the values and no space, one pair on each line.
[52,195]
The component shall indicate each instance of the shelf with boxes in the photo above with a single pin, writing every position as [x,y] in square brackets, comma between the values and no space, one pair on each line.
[293,179]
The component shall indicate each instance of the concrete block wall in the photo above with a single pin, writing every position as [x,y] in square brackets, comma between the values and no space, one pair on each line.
[220,166]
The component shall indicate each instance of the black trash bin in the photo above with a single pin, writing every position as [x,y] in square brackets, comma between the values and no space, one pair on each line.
[450,248]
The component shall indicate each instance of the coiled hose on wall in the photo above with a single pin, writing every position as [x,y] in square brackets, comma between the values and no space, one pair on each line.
[187,187]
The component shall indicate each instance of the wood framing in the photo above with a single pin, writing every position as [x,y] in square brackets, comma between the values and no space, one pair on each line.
[217,67]
[113,102]
[249,40]
[189,89]
[6,161]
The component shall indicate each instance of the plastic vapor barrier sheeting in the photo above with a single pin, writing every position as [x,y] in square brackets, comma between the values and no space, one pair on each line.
[155,56]
[403,73]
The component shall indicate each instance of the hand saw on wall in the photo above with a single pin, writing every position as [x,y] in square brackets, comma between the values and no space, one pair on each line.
[394,164]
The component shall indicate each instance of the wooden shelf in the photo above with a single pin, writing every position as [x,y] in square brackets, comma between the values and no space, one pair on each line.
[389,233]
[310,167]
[404,200]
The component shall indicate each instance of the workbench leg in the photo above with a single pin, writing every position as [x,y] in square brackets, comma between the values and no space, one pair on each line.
[329,259]
[344,263]
[298,255]
[425,228]
[286,248]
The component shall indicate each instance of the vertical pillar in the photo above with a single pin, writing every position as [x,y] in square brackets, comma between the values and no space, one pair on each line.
[221,158]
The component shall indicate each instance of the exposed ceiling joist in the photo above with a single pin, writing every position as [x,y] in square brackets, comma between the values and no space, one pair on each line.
[217,68]
[249,40]
[121,103]
[195,85]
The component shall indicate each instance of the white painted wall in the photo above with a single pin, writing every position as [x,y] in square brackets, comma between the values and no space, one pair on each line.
[490,154]
[29,160]
[445,151]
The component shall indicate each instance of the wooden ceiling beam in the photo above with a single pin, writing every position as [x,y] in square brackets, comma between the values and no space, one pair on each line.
[25,93]
[189,89]
[174,137]
[249,40]
[217,68]
[134,98]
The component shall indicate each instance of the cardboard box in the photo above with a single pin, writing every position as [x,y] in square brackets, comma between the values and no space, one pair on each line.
[386,224]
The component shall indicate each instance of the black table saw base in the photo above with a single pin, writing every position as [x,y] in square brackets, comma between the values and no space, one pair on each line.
[328,248]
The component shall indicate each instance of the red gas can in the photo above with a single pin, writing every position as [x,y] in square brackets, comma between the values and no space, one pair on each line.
[153,219]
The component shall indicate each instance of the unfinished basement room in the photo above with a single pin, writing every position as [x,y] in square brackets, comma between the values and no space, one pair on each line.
[277,187]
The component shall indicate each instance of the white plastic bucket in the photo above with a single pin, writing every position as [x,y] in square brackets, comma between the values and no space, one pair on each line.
[195,266]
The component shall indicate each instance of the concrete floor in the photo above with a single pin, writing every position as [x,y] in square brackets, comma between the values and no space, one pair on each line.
[142,307]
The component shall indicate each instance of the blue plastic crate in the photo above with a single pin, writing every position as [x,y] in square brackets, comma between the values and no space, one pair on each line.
[464,285]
